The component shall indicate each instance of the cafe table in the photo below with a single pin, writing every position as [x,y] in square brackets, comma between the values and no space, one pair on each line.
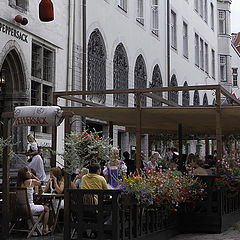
[49,199]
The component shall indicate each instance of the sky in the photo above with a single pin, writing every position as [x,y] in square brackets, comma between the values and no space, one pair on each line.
[235,10]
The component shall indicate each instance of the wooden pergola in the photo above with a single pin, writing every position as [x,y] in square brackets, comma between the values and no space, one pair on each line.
[211,120]
[218,119]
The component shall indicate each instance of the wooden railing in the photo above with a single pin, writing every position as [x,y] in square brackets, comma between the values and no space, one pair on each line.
[215,214]
[109,219]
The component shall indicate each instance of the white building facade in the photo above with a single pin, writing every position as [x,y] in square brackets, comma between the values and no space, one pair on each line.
[187,53]
[129,44]
[33,61]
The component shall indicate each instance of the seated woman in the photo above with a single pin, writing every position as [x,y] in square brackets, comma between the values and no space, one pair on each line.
[153,160]
[77,180]
[195,167]
[27,180]
[56,182]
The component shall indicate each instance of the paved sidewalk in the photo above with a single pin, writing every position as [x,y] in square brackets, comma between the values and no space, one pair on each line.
[232,233]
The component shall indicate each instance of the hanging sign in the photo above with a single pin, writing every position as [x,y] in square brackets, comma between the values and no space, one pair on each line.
[38,116]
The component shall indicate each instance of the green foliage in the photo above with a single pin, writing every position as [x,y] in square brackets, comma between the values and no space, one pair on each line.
[3,144]
[85,148]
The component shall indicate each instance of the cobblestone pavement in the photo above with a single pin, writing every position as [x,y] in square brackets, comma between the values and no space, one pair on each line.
[232,233]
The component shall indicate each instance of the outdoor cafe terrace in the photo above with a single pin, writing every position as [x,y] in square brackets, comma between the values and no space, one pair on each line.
[213,212]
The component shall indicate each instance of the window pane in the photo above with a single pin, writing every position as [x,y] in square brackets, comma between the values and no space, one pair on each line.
[47,65]
[36,61]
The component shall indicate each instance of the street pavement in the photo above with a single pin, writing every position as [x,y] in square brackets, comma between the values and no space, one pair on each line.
[233,233]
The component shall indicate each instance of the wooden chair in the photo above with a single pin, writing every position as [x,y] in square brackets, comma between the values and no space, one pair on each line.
[22,211]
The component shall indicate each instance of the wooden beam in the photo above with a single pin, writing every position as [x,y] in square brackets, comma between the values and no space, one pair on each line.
[141,90]
[138,131]
[206,146]
[160,99]
[5,181]
[229,95]
[54,138]
[218,123]
[180,145]
[82,101]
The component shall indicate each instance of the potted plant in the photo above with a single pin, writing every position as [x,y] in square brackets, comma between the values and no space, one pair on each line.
[85,148]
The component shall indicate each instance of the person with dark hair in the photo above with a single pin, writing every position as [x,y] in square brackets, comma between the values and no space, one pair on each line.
[27,179]
[93,180]
[129,163]
[56,181]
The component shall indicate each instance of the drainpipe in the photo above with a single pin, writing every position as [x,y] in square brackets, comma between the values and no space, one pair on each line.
[69,82]
[84,47]
[168,43]
[84,55]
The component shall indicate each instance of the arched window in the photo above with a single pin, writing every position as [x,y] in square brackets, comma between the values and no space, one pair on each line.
[120,75]
[185,96]
[96,66]
[173,95]
[205,100]
[196,99]
[156,83]
[140,76]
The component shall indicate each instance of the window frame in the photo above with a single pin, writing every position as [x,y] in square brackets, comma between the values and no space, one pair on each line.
[140,12]
[235,77]
[22,6]
[213,63]
[222,22]
[38,83]
[223,68]
[123,5]
[155,17]
[173,30]
[185,40]
[212,16]
[197,47]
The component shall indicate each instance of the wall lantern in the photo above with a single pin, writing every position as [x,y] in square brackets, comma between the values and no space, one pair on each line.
[46,11]
[2,80]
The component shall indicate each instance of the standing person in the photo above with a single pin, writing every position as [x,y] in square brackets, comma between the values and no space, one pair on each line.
[35,160]
[129,163]
[114,168]
[28,180]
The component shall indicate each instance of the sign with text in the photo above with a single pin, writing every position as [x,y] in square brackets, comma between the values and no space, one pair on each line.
[4,28]
[38,116]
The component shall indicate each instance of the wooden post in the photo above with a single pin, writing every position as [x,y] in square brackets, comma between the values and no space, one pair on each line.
[206,146]
[54,138]
[5,184]
[110,130]
[180,146]
[138,130]
[67,181]
[218,123]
